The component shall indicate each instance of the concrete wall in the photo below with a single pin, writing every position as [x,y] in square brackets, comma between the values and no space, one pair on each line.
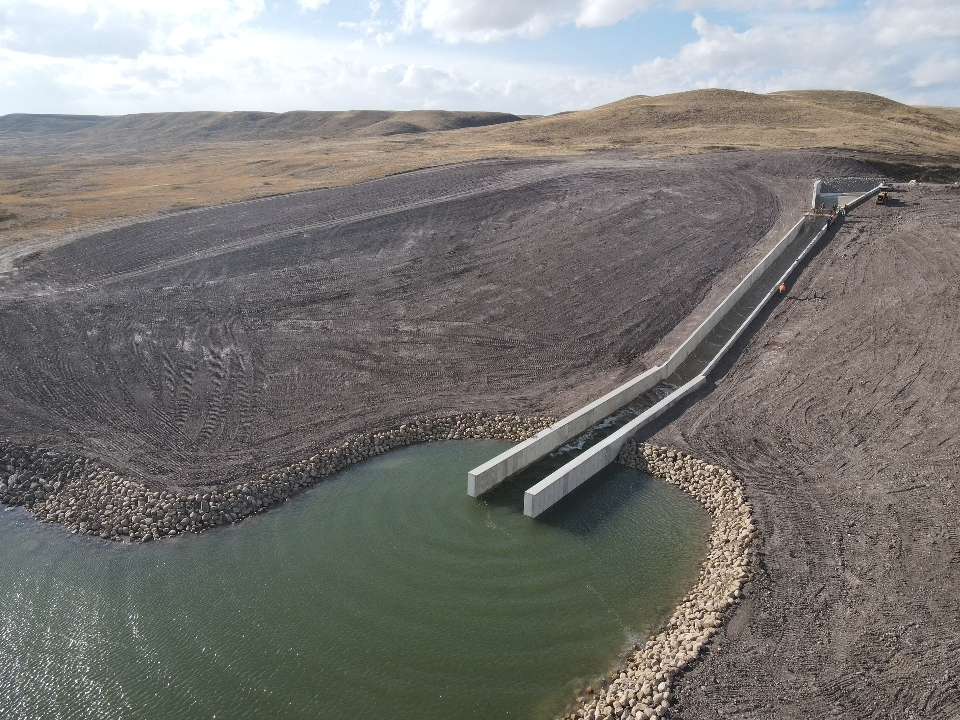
[863,198]
[783,278]
[852,195]
[716,316]
[766,298]
[495,471]
[558,484]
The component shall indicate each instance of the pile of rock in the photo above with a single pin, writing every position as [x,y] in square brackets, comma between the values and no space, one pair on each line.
[642,687]
[93,500]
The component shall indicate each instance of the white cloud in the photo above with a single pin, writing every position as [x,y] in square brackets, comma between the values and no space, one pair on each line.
[484,21]
[936,71]
[899,22]
[312,4]
[113,56]
[751,5]
[601,13]
[487,20]
[253,69]
[123,28]
[831,53]
[382,30]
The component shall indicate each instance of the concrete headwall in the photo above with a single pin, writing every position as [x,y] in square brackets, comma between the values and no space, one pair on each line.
[495,471]
[557,485]
[840,191]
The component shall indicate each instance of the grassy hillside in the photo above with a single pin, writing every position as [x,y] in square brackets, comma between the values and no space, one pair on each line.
[61,172]
[710,119]
[152,132]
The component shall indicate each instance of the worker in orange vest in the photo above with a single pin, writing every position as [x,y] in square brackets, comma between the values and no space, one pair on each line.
[783,288]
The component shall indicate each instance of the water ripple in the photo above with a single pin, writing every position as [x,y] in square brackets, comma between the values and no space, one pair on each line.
[384,591]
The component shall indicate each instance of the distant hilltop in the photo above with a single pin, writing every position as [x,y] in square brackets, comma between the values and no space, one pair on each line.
[164,131]
[60,172]
[693,121]
[729,119]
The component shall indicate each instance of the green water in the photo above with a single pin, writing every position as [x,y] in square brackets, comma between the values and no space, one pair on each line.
[384,592]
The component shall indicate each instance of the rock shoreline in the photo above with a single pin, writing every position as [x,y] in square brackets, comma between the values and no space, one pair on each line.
[642,687]
[93,500]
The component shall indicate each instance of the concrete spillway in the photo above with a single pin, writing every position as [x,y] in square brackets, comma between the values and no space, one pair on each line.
[575,448]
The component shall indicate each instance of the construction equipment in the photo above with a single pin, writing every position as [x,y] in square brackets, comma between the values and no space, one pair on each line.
[882,198]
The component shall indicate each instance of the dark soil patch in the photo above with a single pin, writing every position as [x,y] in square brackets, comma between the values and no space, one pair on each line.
[905,171]
[841,417]
[214,345]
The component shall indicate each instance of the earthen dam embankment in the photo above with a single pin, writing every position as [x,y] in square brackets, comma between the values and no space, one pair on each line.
[649,395]
[204,350]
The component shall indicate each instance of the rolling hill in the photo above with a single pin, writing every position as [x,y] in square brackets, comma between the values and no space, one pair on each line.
[59,172]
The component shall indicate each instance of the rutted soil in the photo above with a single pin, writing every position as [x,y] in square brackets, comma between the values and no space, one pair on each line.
[214,345]
[841,419]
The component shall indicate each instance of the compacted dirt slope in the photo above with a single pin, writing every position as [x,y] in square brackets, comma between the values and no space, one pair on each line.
[842,416]
[210,345]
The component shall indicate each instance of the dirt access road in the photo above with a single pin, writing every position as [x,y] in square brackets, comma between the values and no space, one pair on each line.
[842,416]
[210,345]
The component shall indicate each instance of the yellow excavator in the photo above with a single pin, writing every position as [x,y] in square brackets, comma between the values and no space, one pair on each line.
[882,197]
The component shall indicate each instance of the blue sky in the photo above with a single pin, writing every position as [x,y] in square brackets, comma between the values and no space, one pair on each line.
[521,56]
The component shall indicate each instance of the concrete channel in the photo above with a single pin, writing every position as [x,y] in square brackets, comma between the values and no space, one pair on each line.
[575,448]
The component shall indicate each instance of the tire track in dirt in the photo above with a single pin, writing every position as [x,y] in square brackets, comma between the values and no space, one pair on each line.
[841,417]
[213,345]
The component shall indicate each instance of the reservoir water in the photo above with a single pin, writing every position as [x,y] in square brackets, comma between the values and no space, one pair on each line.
[383,592]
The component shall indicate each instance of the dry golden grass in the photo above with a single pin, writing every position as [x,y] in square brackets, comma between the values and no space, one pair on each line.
[89,184]
[705,120]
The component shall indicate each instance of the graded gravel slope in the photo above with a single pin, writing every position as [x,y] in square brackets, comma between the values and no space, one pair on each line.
[841,418]
[215,344]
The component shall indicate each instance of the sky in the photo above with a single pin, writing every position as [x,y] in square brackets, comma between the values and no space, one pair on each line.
[111,57]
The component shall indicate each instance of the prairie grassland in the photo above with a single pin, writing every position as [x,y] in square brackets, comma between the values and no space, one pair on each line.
[112,170]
